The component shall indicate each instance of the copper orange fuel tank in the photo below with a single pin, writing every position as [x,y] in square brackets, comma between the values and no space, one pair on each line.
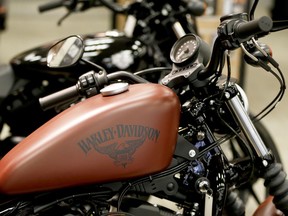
[101,139]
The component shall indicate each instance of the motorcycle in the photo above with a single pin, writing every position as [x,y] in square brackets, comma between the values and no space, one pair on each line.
[145,42]
[124,138]
[151,28]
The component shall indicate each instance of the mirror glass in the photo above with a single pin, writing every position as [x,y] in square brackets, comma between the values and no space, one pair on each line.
[66,52]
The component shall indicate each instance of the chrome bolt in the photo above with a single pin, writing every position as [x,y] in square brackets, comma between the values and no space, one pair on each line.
[212,102]
[203,185]
[164,82]
[265,163]
[192,153]
[200,135]
[227,95]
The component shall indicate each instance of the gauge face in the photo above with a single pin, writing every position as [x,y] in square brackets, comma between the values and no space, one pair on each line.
[184,49]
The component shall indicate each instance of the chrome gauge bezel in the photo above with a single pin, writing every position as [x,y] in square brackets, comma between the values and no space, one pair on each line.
[189,40]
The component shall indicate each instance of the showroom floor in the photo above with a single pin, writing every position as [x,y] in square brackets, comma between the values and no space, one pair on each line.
[27,28]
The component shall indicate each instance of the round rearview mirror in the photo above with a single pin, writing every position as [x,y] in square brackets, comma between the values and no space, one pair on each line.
[66,52]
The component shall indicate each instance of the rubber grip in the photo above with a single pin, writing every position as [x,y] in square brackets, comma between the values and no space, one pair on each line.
[254,27]
[59,97]
[50,6]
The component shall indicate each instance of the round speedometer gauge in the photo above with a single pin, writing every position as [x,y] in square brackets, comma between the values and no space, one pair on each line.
[185,49]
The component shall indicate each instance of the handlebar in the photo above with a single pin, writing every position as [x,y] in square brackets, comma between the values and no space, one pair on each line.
[231,33]
[89,84]
[196,8]
[60,97]
[254,27]
[71,5]
[50,6]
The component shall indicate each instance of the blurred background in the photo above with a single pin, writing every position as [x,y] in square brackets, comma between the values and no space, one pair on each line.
[26,28]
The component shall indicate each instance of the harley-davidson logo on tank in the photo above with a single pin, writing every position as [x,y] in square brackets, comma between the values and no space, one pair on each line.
[119,142]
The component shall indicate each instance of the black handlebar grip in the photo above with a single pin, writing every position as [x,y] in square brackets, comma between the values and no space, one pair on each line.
[50,6]
[196,8]
[254,27]
[59,97]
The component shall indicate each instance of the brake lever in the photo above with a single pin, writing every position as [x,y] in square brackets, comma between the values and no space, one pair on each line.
[64,17]
[267,55]
[72,7]
[254,59]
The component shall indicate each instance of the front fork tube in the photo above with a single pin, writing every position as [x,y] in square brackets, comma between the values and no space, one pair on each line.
[272,172]
[248,128]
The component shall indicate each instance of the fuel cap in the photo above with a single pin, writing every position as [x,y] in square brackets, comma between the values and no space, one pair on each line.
[115,88]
